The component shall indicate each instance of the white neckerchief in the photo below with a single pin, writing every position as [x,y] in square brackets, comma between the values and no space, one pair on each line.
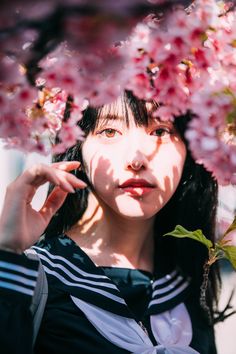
[172,329]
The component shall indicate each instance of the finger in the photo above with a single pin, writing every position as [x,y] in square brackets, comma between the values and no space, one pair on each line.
[41,169]
[39,174]
[54,201]
[62,183]
[66,165]
[71,179]
[56,174]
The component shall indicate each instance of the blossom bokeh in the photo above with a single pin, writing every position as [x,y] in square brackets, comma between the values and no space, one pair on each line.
[57,59]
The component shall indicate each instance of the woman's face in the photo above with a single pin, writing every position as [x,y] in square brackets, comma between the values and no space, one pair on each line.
[134,170]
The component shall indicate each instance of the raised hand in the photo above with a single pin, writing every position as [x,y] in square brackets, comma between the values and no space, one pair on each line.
[21,225]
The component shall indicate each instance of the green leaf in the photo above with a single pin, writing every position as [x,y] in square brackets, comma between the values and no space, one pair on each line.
[232,227]
[230,254]
[197,235]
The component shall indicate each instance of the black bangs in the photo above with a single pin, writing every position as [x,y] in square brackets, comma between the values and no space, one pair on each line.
[121,108]
[139,109]
[141,114]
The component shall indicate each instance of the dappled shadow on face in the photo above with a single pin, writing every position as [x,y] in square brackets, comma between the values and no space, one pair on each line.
[107,193]
[109,164]
[93,244]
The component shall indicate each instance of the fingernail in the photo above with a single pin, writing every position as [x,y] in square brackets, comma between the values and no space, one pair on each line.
[83,184]
[72,190]
[69,188]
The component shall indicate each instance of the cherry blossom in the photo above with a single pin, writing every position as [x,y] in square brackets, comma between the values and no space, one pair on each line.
[184,59]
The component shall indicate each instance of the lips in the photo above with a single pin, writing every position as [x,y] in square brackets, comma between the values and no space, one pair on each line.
[136,183]
[137,187]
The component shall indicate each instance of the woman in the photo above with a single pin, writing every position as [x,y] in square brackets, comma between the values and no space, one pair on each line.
[115,284]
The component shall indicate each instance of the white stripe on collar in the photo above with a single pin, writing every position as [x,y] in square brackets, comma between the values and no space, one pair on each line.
[75,278]
[174,284]
[70,264]
[90,288]
[171,295]
[165,279]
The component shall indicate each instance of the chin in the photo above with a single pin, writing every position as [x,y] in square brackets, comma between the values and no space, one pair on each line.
[135,217]
[135,213]
[134,209]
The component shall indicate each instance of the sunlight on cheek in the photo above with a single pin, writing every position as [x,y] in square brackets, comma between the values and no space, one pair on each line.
[102,175]
[98,167]
[160,199]
[169,179]
[171,163]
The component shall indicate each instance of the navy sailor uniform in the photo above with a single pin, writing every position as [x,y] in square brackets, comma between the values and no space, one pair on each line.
[94,310]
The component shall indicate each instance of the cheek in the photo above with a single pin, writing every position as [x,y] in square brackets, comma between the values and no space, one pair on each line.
[99,166]
[169,167]
[181,152]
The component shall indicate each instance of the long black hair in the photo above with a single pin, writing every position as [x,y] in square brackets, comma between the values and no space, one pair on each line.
[193,205]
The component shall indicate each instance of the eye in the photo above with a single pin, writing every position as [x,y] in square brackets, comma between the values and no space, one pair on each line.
[108,132]
[161,132]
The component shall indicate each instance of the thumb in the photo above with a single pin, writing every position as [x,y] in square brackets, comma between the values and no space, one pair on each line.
[54,201]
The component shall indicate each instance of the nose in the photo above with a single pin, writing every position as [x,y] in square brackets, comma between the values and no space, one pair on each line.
[136,163]
[136,157]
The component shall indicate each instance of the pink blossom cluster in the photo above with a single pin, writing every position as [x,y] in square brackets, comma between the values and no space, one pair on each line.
[85,76]
[185,61]
[30,118]
[191,60]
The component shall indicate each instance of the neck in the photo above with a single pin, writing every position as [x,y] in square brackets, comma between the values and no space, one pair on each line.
[112,240]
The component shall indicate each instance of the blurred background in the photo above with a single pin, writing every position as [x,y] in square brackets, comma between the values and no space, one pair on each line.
[14,162]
